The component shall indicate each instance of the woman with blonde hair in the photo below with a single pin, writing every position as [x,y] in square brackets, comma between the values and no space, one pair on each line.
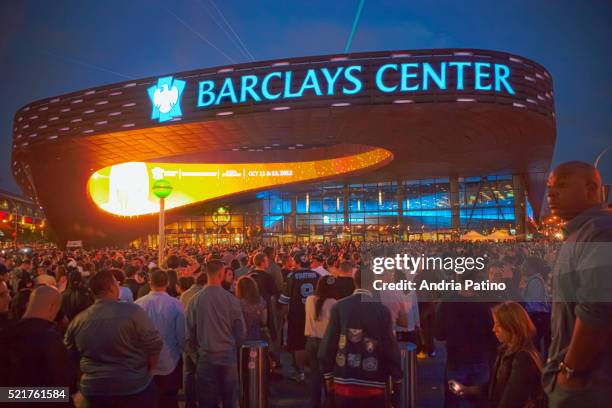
[515,377]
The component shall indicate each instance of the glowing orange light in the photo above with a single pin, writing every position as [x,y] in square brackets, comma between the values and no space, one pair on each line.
[125,189]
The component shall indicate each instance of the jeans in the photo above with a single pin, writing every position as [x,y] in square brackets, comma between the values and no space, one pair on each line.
[316,382]
[189,380]
[466,374]
[168,387]
[586,397]
[216,383]
[145,398]
[596,394]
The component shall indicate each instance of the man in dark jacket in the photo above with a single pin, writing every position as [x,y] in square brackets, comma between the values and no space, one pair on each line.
[131,281]
[33,352]
[345,286]
[359,351]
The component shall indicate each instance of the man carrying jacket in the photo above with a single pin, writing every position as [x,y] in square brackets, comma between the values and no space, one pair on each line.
[359,352]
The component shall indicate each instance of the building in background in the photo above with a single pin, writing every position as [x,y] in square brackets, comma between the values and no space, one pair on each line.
[389,145]
[20,218]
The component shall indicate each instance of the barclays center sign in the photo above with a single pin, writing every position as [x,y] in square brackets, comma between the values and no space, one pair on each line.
[338,81]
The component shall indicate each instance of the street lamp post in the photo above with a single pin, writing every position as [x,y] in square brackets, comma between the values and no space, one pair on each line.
[162,189]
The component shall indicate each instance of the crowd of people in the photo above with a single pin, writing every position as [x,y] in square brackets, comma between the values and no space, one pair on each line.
[121,330]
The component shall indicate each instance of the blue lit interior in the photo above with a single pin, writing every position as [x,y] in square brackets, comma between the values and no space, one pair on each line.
[484,202]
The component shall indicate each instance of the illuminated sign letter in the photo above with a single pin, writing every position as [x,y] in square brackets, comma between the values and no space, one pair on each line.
[248,83]
[428,72]
[227,90]
[205,89]
[413,76]
[406,75]
[353,79]
[479,75]
[502,72]
[310,82]
[331,80]
[288,93]
[460,66]
[379,77]
[265,91]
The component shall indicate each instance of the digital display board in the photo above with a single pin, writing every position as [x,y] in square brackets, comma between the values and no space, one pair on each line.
[125,189]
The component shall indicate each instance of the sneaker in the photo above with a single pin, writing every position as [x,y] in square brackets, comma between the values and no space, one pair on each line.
[297,377]
[421,356]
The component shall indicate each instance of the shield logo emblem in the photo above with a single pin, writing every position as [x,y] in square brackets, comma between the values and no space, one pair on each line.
[166,98]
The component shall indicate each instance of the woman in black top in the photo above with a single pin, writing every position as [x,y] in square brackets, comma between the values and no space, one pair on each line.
[515,377]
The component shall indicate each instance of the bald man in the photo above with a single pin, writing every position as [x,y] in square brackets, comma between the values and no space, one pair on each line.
[579,368]
[573,188]
[38,357]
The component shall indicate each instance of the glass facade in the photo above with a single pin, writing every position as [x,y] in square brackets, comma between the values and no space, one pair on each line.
[408,209]
[204,229]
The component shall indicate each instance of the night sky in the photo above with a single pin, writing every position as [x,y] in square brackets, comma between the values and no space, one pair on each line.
[50,48]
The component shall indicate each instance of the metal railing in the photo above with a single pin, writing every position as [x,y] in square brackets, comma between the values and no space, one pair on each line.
[408,389]
[254,375]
